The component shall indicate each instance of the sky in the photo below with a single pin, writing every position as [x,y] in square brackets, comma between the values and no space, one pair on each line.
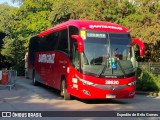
[9,2]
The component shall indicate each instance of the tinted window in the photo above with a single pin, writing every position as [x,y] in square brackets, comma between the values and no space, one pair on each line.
[72,31]
[42,44]
[63,41]
[49,42]
[52,40]
[33,48]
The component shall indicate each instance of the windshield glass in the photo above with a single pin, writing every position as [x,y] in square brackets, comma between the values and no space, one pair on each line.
[107,54]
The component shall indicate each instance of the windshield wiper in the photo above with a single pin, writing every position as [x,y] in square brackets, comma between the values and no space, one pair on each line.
[121,68]
[102,69]
[106,60]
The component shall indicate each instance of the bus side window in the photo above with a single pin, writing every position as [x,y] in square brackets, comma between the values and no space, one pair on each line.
[63,41]
[33,48]
[52,40]
[72,31]
[42,44]
[76,56]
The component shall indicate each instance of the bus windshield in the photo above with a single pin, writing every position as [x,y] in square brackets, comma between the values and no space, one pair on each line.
[107,54]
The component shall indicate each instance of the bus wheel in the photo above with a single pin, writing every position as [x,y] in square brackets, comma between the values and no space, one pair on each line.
[64,92]
[35,83]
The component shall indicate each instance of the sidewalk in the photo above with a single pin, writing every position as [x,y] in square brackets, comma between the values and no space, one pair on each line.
[155,94]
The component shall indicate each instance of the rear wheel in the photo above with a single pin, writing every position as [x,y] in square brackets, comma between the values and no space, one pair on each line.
[35,83]
[64,92]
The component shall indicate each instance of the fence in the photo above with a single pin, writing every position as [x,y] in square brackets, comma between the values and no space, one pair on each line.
[10,77]
[153,67]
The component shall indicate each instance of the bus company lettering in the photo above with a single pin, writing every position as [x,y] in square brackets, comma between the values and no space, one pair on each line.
[46,58]
[105,26]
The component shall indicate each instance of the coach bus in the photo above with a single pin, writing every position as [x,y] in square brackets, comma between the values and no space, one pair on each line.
[86,59]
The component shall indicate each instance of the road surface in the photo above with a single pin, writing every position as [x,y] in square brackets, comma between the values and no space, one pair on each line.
[26,97]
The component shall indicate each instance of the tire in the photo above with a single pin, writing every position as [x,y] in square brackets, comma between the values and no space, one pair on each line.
[64,92]
[35,83]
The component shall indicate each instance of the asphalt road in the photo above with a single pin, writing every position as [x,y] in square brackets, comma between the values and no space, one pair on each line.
[26,97]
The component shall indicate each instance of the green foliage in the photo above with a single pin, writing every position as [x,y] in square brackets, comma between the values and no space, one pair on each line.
[103,10]
[144,24]
[141,17]
[5,21]
[158,81]
[147,81]
[20,24]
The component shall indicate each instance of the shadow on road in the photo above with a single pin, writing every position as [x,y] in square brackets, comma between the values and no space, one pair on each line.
[25,96]
[102,101]
[86,101]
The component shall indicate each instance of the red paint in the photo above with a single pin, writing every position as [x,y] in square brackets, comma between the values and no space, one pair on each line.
[80,42]
[88,25]
[51,73]
[97,93]
[141,46]
[4,80]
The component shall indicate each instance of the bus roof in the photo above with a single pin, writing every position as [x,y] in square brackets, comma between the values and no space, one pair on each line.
[87,25]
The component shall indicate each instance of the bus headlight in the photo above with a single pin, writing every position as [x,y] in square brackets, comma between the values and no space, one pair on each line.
[86,82]
[132,83]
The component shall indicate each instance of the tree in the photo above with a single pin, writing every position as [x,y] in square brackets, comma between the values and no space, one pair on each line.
[141,17]
[26,21]
[5,22]
[145,24]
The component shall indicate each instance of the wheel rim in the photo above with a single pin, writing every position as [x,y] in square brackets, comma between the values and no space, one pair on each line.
[63,87]
[34,80]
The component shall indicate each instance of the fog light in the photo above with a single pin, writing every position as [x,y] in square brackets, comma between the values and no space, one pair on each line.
[132,93]
[132,83]
[86,92]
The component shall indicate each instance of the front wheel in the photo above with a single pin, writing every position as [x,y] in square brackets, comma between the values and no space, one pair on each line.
[64,92]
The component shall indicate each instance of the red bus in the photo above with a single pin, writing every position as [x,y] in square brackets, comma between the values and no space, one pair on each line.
[86,59]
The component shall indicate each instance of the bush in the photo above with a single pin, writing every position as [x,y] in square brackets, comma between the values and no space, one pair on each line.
[158,81]
[147,81]
[19,68]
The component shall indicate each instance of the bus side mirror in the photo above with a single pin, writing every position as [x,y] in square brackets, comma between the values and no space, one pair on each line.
[79,42]
[141,46]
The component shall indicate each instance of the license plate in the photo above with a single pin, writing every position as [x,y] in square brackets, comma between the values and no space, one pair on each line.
[110,96]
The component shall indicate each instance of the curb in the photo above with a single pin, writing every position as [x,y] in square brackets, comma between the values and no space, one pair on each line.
[155,94]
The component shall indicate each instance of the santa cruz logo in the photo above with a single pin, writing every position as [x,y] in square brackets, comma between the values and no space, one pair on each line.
[105,26]
[46,58]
